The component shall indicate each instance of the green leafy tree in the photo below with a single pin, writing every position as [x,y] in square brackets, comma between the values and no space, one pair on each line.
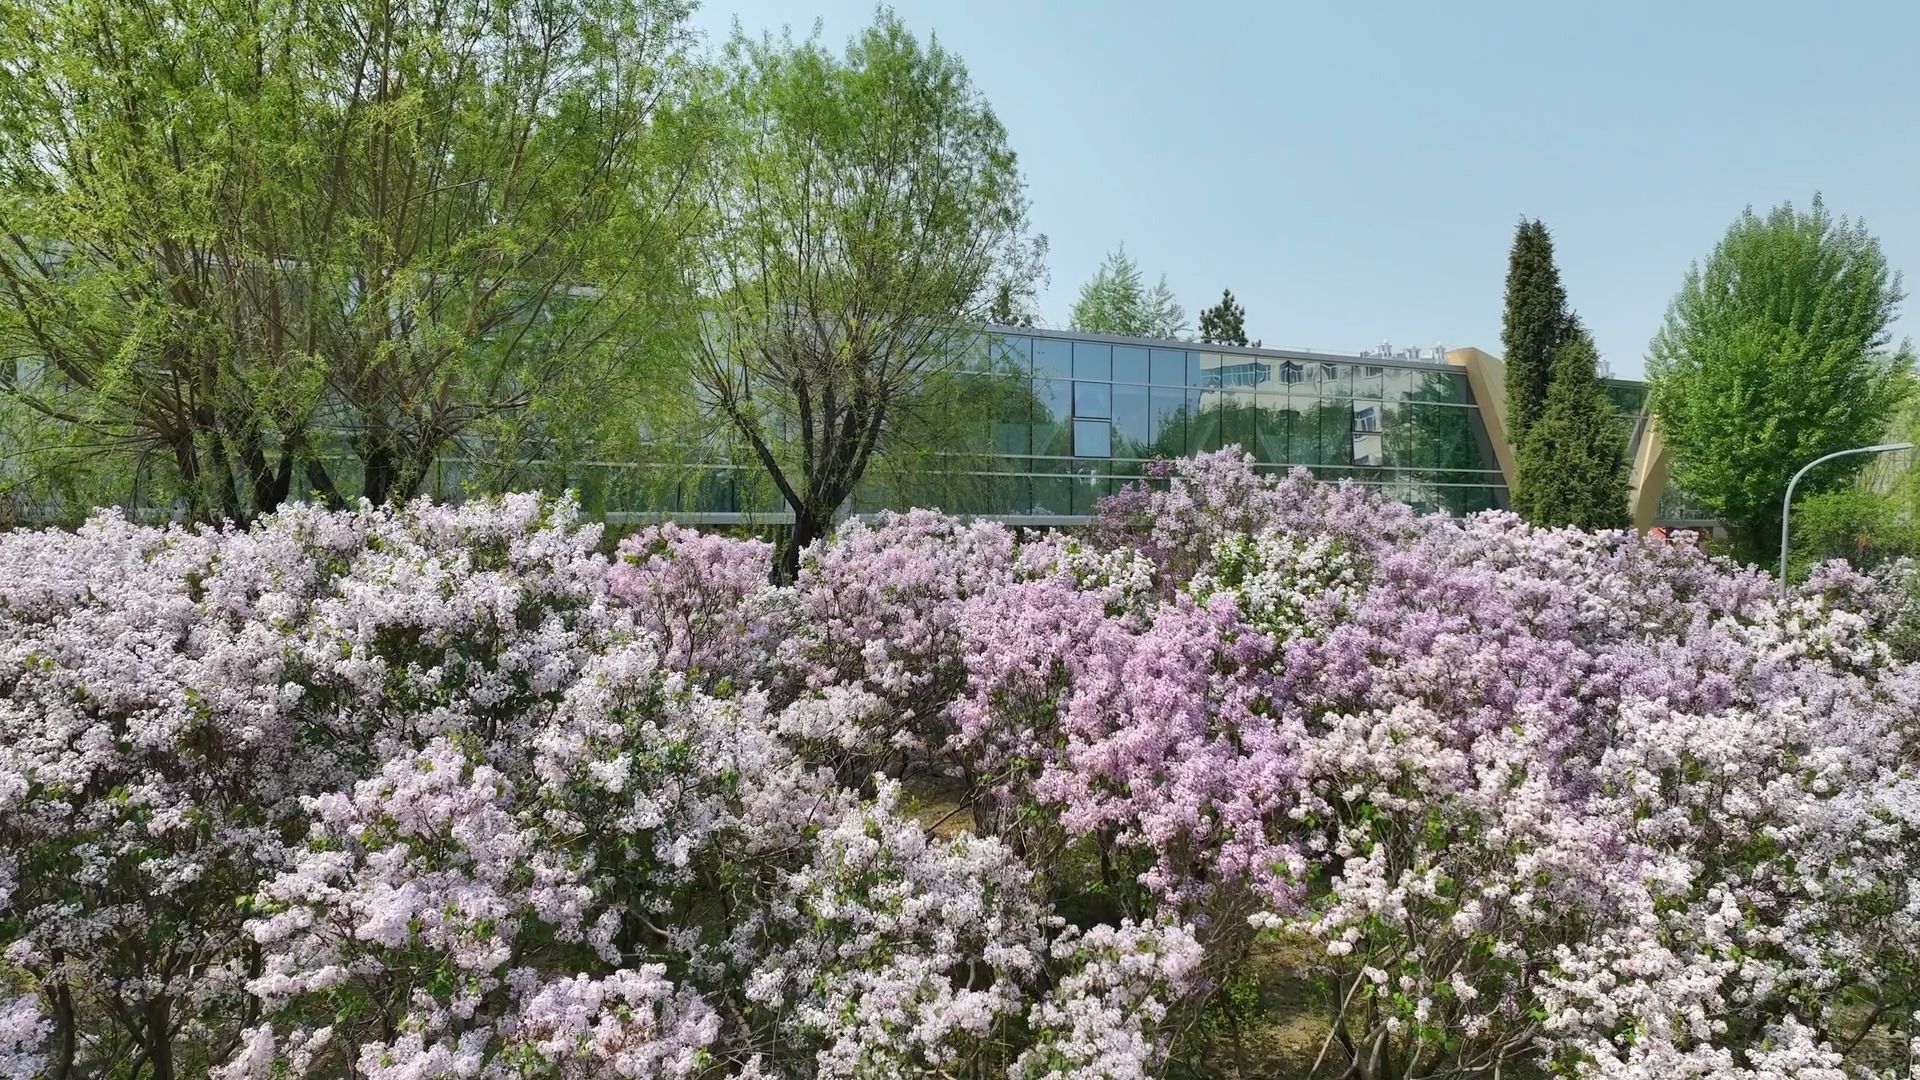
[1166,319]
[1117,301]
[1572,467]
[258,249]
[1225,323]
[867,210]
[1778,350]
[1535,326]
[1862,527]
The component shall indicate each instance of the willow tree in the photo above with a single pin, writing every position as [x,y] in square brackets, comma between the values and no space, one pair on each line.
[269,247]
[865,211]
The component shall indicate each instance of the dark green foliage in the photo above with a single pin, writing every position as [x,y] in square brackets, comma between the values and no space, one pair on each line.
[1536,324]
[1225,323]
[1573,468]
[1007,309]
[1773,353]
[1572,454]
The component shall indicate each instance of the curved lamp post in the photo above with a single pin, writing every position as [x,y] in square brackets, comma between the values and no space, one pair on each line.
[1786,505]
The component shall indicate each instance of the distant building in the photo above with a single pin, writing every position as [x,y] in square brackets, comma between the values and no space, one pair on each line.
[1078,416]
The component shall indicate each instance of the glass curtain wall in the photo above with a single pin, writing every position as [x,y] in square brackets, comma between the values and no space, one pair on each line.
[1070,420]
[1045,424]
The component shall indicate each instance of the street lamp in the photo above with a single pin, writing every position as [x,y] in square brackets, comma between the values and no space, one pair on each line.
[1786,505]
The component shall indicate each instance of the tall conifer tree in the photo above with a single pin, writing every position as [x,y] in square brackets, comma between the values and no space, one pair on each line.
[1225,323]
[1573,468]
[1536,325]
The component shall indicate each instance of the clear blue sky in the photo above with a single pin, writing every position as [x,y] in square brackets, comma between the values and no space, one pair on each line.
[1354,170]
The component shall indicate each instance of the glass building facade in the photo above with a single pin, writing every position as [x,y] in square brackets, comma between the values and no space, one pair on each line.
[1039,425]
[1071,418]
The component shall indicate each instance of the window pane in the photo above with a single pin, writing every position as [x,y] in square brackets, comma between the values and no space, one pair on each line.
[1243,373]
[1336,432]
[1237,423]
[1092,399]
[1270,435]
[1303,430]
[1053,357]
[1131,421]
[1369,381]
[1012,355]
[1169,367]
[1013,494]
[1051,438]
[1054,400]
[1088,491]
[1053,495]
[1203,422]
[1441,386]
[1401,384]
[1092,360]
[1434,437]
[975,351]
[1012,437]
[1168,432]
[1092,438]
[1335,380]
[1054,397]
[1366,448]
[1203,369]
[1129,364]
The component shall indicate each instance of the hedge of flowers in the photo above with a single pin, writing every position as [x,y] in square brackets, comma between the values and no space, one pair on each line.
[442,792]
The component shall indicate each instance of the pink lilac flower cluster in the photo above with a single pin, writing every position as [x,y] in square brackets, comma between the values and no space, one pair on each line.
[953,802]
[442,792]
[874,610]
[1098,1023]
[699,595]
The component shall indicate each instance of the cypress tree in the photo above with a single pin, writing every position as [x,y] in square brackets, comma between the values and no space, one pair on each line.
[1573,467]
[1536,324]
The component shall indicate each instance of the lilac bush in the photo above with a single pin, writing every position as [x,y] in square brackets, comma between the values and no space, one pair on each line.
[697,594]
[437,792]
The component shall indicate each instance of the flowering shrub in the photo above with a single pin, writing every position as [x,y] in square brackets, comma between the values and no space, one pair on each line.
[1098,1022]
[441,792]
[875,610]
[697,594]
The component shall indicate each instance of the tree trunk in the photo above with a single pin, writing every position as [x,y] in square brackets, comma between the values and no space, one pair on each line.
[270,482]
[66,1029]
[394,469]
[382,471]
[160,1036]
[808,526]
[222,473]
[320,482]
